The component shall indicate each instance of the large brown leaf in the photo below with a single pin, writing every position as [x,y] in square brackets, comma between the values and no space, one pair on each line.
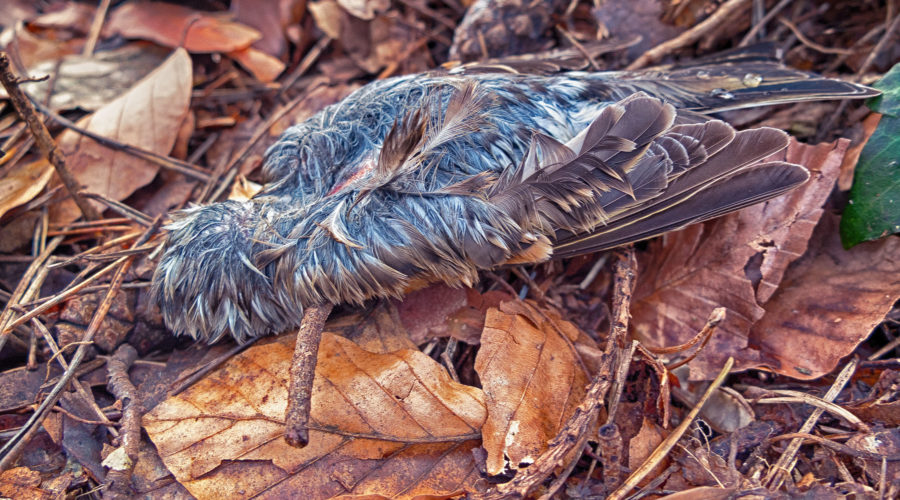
[829,302]
[392,424]
[148,116]
[736,261]
[533,381]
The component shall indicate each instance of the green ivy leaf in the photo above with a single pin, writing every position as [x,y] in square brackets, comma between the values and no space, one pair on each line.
[874,207]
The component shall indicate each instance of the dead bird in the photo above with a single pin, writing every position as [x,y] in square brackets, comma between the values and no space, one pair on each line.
[433,177]
[436,176]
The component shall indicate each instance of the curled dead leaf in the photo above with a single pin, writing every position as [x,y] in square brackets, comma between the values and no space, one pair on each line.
[533,380]
[264,67]
[176,26]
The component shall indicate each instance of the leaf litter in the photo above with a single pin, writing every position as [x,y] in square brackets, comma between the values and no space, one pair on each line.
[447,392]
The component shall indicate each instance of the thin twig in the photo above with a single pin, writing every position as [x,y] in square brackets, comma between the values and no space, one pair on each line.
[622,367]
[60,297]
[666,446]
[96,25]
[828,124]
[119,478]
[809,43]
[82,392]
[715,317]
[610,449]
[882,43]
[26,288]
[838,447]
[11,450]
[128,212]
[159,160]
[308,60]
[778,471]
[99,248]
[802,397]
[774,11]
[303,371]
[42,137]
[690,36]
[626,272]
[580,48]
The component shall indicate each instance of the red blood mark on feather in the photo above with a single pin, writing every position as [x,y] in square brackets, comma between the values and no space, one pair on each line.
[365,168]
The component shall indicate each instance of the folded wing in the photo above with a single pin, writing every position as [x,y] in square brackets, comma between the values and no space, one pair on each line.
[635,173]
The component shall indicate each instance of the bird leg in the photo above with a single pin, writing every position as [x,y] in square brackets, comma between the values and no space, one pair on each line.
[303,370]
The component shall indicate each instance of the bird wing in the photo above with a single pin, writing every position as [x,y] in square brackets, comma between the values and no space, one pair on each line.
[635,173]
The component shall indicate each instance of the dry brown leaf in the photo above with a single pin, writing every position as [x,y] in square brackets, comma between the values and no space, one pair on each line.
[148,116]
[270,18]
[19,387]
[442,311]
[391,424]
[22,183]
[880,405]
[30,49]
[364,9]
[176,26]
[623,19]
[377,330]
[642,445]
[264,67]
[533,381]
[327,14]
[68,16]
[736,261]
[386,39]
[14,11]
[22,482]
[881,443]
[703,493]
[91,82]
[243,189]
[829,302]
[848,167]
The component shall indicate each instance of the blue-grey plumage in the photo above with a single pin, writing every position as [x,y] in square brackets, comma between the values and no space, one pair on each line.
[434,177]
